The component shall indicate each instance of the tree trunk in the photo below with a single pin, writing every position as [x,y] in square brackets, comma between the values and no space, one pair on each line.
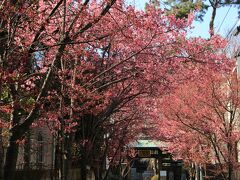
[61,158]
[1,154]
[211,25]
[57,159]
[230,172]
[63,155]
[11,159]
[83,168]
[68,148]
[16,134]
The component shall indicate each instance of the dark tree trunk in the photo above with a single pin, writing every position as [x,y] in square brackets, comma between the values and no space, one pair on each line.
[16,134]
[1,155]
[68,147]
[211,25]
[230,172]
[83,168]
[11,159]
[57,159]
[96,174]
[63,156]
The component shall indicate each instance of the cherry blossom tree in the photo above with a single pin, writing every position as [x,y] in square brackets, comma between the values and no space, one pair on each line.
[63,61]
[201,121]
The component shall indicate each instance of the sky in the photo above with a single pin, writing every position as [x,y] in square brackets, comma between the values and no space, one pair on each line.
[226,18]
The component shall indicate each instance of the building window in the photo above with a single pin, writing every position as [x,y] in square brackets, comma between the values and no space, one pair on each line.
[40,149]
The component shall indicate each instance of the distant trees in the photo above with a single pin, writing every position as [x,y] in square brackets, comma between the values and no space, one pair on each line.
[201,122]
[181,8]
